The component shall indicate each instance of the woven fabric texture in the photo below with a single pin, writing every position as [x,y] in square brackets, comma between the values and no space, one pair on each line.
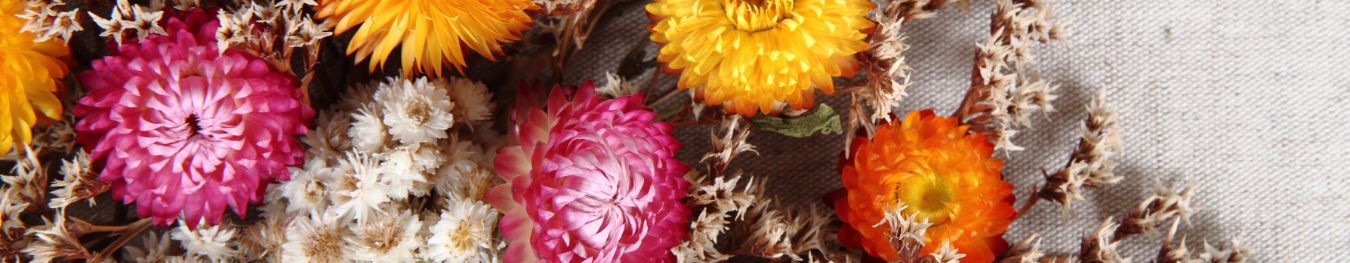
[1245,99]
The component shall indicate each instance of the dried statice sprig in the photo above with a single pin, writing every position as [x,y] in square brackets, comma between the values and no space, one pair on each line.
[57,137]
[1162,205]
[728,145]
[1027,251]
[570,22]
[735,220]
[27,183]
[1177,252]
[905,231]
[153,248]
[126,18]
[56,240]
[1003,93]
[1091,164]
[78,183]
[887,72]
[46,20]
[946,254]
[917,9]
[1100,246]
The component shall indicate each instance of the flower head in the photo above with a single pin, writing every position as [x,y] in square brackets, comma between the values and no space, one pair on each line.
[32,73]
[416,112]
[463,234]
[592,180]
[941,172]
[182,129]
[758,55]
[428,32]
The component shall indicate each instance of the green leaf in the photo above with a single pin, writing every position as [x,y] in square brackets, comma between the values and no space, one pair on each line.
[824,121]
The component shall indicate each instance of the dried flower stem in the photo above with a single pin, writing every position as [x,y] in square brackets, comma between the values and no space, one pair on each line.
[127,233]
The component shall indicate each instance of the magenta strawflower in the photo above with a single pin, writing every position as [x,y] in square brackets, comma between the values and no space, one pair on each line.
[182,129]
[593,180]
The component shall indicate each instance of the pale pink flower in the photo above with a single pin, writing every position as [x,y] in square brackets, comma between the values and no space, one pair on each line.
[592,180]
[182,129]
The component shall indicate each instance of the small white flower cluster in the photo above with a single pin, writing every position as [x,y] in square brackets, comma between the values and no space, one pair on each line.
[138,20]
[407,168]
[257,26]
[394,173]
[46,22]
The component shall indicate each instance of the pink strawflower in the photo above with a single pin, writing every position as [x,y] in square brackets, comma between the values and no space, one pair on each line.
[182,129]
[593,180]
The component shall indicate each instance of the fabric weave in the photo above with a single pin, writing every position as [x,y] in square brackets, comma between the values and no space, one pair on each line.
[1247,99]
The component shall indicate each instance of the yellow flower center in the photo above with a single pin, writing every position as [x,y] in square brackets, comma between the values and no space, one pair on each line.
[930,196]
[756,15]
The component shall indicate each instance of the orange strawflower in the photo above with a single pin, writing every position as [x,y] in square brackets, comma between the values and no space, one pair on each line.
[937,168]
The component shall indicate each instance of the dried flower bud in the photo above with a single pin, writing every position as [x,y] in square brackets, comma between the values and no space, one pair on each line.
[1100,247]
[1025,252]
[1162,205]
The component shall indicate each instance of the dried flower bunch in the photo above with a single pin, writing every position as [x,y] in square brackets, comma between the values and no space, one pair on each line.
[197,110]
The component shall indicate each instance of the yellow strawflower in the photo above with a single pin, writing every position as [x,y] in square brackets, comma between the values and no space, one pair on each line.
[30,76]
[430,32]
[759,55]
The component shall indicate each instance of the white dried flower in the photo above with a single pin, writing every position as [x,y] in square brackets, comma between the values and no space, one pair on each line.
[329,139]
[65,25]
[1101,245]
[234,28]
[616,86]
[388,238]
[368,131]
[473,101]
[154,248]
[463,233]
[112,26]
[145,22]
[306,191]
[405,170]
[463,174]
[316,238]
[215,242]
[11,208]
[359,191]
[1028,251]
[54,241]
[906,231]
[947,254]
[77,183]
[1160,206]
[305,33]
[416,112]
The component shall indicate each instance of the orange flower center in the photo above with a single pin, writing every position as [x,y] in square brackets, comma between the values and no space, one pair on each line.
[756,15]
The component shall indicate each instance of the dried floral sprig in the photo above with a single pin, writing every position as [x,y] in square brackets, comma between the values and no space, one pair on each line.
[1091,164]
[125,18]
[1100,246]
[1177,252]
[78,182]
[736,220]
[46,20]
[726,147]
[1027,251]
[1162,205]
[616,86]
[906,232]
[1003,92]
[946,254]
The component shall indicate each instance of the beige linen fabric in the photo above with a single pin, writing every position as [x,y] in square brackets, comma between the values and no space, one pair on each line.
[1246,99]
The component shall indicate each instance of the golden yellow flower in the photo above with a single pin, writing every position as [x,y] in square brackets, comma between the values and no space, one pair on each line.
[29,78]
[429,31]
[759,55]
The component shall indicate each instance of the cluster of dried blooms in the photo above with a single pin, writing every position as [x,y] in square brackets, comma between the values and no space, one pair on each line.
[47,20]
